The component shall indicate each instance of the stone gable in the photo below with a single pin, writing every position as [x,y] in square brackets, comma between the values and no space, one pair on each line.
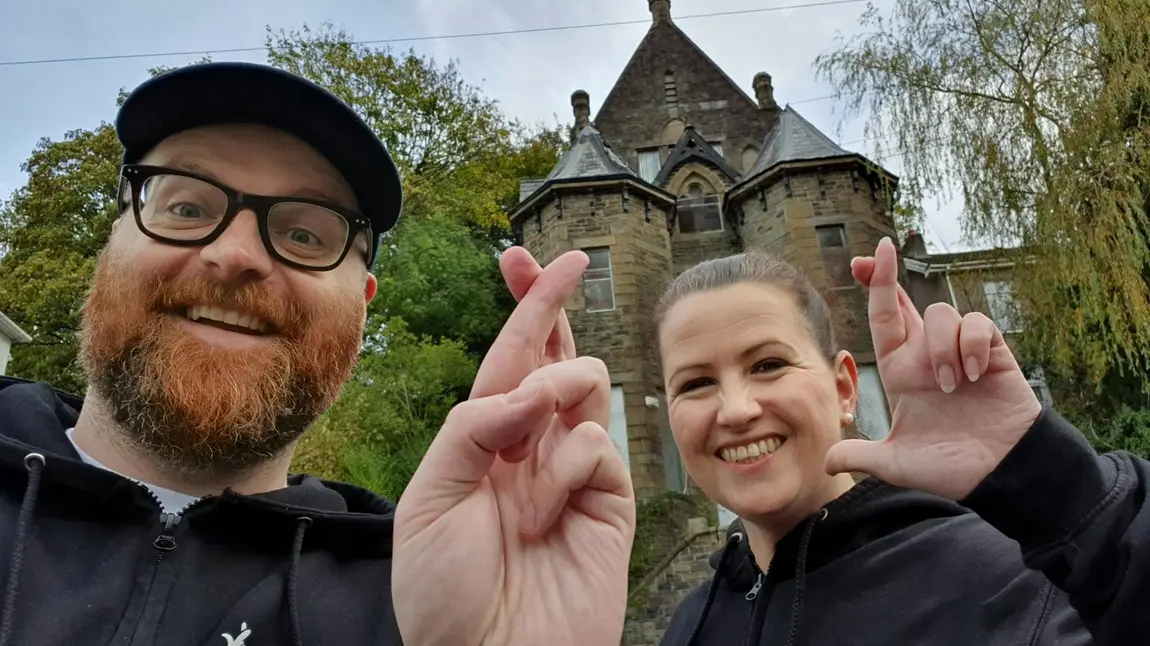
[638,114]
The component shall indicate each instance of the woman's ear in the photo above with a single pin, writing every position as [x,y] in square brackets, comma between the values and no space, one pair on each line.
[847,381]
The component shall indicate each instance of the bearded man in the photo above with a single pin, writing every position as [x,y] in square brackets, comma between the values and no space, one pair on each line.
[226,312]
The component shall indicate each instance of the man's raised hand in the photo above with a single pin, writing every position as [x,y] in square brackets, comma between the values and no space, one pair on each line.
[517,527]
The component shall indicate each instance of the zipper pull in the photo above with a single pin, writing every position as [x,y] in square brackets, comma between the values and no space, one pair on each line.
[166,541]
[755,590]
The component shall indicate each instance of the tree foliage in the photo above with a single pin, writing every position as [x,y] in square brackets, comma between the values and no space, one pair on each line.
[1035,111]
[377,432]
[456,150]
[51,231]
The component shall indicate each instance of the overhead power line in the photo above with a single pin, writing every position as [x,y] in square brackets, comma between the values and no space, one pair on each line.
[413,39]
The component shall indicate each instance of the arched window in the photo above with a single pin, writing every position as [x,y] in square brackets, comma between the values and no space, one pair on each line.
[700,209]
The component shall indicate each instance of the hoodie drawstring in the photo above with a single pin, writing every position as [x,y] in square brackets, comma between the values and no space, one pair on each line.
[755,632]
[303,522]
[801,578]
[732,542]
[34,463]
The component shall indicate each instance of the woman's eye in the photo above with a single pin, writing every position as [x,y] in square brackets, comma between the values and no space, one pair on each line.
[695,383]
[768,365]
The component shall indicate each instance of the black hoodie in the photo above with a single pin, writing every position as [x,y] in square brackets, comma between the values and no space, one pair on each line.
[1052,548]
[88,557]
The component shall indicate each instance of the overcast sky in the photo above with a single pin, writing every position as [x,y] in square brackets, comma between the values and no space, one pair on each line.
[531,74]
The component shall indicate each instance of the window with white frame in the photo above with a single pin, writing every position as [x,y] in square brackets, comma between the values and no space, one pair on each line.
[1003,308]
[598,282]
[698,212]
[649,164]
[835,253]
[618,428]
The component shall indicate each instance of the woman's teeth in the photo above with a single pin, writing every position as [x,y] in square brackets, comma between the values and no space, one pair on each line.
[751,452]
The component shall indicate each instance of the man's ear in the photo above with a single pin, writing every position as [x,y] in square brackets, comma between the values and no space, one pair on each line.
[847,381]
[370,287]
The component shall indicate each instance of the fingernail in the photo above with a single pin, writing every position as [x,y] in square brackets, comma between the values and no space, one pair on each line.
[525,393]
[972,369]
[946,379]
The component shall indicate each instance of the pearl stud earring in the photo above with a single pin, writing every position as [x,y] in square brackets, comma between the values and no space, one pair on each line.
[848,419]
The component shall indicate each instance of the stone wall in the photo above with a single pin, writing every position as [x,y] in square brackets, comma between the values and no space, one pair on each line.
[645,627]
[809,197]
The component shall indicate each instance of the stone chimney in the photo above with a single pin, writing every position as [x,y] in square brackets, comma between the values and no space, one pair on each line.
[915,245]
[660,10]
[581,102]
[765,91]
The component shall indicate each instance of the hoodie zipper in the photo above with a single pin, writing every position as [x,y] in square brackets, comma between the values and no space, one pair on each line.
[755,589]
[163,576]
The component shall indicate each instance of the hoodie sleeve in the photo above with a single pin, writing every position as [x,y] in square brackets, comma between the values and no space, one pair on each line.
[1081,519]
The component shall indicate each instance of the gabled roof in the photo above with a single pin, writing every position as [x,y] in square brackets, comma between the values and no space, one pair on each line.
[668,28]
[589,158]
[794,139]
[693,147]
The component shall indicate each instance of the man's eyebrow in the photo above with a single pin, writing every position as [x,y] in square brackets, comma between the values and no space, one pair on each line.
[305,192]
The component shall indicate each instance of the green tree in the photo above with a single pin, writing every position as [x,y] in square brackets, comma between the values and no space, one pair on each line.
[377,432]
[443,281]
[1035,112]
[51,231]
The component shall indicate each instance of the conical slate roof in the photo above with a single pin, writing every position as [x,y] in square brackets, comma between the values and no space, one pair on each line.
[794,139]
[589,158]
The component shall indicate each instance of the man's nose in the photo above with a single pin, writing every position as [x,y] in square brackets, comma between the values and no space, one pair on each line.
[738,408]
[239,254]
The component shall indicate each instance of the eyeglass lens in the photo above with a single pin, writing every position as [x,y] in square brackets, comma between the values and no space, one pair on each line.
[185,208]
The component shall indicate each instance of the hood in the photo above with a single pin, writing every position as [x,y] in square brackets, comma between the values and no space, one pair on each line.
[35,450]
[35,416]
[870,510]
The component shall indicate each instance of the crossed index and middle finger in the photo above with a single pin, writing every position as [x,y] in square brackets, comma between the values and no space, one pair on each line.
[522,343]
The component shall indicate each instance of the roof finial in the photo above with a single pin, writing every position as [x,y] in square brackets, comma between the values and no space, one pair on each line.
[765,91]
[581,103]
[660,10]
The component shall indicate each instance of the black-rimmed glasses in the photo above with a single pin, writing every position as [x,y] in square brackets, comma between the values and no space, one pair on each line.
[183,208]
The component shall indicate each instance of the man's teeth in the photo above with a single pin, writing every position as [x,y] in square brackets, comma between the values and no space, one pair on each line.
[751,451]
[230,317]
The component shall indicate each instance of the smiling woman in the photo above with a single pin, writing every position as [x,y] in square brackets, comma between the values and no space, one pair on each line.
[758,392]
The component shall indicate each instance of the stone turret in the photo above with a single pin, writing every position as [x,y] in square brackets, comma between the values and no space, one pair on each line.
[593,201]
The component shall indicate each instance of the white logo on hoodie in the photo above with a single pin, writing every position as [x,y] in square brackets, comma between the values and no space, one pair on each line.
[242,638]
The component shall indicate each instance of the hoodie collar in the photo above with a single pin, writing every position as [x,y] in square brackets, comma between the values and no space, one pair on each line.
[35,416]
[868,511]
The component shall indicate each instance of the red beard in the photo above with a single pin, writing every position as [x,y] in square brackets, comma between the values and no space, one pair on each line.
[203,409]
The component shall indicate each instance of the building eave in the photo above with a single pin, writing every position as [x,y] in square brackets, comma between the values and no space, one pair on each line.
[573,185]
[748,184]
[13,331]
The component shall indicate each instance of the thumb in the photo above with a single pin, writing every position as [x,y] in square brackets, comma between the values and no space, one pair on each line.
[861,456]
